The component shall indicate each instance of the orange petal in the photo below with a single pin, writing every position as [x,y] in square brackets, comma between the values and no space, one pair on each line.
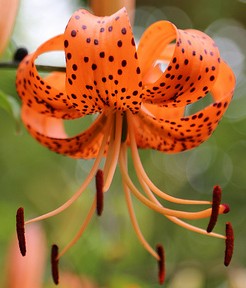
[8,13]
[45,95]
[102,64]
[171,135]
[50,132]
[162,113]
[191,72]
[105,7]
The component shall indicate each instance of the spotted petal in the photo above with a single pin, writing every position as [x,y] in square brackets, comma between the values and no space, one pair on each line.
[45,95]
[174,134]
[50,132]
[190,73]
[102,65]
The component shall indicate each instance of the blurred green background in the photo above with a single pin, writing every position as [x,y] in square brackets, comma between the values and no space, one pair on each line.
[109,252]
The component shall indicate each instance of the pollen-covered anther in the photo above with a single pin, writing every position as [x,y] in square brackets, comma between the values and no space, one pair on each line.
[226,208]
[55,263]
[161,263]
[215,208]
[20,229]
[229,241]
[99,191]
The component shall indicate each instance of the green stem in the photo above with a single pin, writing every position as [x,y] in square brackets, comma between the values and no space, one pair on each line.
[43,68]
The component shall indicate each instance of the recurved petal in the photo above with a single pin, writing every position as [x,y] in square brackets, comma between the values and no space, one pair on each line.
[50,132]
[161,113]
[46,95]
[191,72]
[102,65]
[174,134]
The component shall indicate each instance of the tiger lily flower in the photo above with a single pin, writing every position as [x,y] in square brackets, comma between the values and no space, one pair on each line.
[138,104]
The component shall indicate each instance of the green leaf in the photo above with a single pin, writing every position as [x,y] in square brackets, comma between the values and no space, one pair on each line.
[11,106]
[4,103]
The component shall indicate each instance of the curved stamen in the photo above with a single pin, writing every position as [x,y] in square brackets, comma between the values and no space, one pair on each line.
[135,223]
[194,228]
[85,183]
[165,211]
[174,219]
[177,220]
[81,230]
[113,151]
[142,174]
[20,229]
[132,213]
[55,263]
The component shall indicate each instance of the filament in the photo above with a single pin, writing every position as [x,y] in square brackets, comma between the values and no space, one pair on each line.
[134,219]
[85,183]
[110,165]
[170,212]
[142,174]
[81,230]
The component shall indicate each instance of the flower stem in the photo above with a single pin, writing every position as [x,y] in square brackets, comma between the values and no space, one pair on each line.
[42,68]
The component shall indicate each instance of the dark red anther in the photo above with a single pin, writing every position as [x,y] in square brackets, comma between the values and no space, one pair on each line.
[55,263]
[20,229]
[226,208]
[229,244]
[161,263]
[215,208]
[99,190]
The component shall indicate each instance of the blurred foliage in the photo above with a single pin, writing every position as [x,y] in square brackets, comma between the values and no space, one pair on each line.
[109,252]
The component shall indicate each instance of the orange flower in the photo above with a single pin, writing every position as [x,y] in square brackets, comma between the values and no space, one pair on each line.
[8,13]
[138,105]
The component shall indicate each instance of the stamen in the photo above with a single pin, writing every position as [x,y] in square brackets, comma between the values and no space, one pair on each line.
[20,229]
[229,244]
[143,177]
[81,230]
[84,184]
[99,191]
[215,208]
[152,205]
[193,228]
[55,263]
[113,151]
[132,213]
[226,208]
[161,263]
